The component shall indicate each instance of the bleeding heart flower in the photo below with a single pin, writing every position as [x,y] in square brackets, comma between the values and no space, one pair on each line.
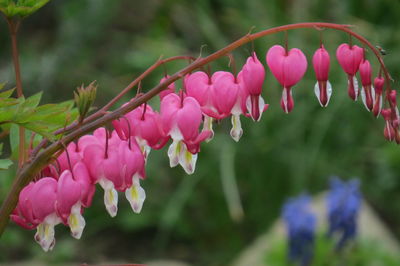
[169,89]
[253,75]
[69,205]
[199,86]
[389,131]
[367,91]
[288,67]
[378,84]
[145,126]
[74,156]
[349,58]
[36,209]
[116,168]
[323,88]
[23,214]
[181,121]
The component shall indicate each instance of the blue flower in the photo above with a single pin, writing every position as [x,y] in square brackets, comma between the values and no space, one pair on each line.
[343,204]
[300,223]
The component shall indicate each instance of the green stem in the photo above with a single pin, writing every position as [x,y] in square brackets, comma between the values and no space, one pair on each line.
[32,167]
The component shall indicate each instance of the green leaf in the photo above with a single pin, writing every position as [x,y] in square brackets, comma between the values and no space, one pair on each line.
[7,93]
[21,8]
[5,164]
[41,129]
[33,101]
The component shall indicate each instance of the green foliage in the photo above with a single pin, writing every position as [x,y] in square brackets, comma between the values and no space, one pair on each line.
[363,252]
[84,98]
[20,8]
[4,163]
[27,113]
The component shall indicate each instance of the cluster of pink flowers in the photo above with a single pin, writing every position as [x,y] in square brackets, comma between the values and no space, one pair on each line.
[116,160]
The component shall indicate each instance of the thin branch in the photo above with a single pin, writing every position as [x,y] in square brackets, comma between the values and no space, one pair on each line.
[32,167]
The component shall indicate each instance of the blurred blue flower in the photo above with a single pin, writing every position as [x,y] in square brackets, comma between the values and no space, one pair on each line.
[343,204]
[300,223]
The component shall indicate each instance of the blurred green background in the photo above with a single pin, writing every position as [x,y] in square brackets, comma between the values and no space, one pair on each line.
[197,218]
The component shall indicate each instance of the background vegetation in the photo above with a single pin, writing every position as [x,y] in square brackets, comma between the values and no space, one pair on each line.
[191,217]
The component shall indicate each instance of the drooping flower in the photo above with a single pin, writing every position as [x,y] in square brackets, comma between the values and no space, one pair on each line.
[36,209]
[169,89]
[199,86]
[367,91]
[68,203]
[74,157]
[181,121]
[349,57]
[288,67]
[144,124]
[323,88]
[74,192]
[253,75]
[117,167]
[300,224]
[343,205]
[378,85]
[228,98]
[388,132]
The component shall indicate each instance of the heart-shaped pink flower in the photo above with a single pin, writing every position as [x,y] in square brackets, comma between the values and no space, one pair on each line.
[288,67]
[323,88]
[349,58]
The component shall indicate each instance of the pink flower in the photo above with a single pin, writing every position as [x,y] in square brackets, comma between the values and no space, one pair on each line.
[69,205]
[229,98]
[36,209]
[74,156]
[389,131]
[393,106]
[118,167]
[253,75]
[22,214]
[367,91]
[199,86]
[323,88]
[181,121]
[169,89]
[224,94]
[378,84]
[349,58]
[145,126]
[288,67]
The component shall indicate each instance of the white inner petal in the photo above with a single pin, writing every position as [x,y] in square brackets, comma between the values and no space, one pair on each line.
[136,195]
[208,125]
[110,196]
[76,221]
[174,151]
[187,160]
[236,131]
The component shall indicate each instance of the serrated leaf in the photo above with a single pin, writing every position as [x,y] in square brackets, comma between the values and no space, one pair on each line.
[41,129]
[21,8]
[5,164]
[9,102]
[7,93]
[32,101]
